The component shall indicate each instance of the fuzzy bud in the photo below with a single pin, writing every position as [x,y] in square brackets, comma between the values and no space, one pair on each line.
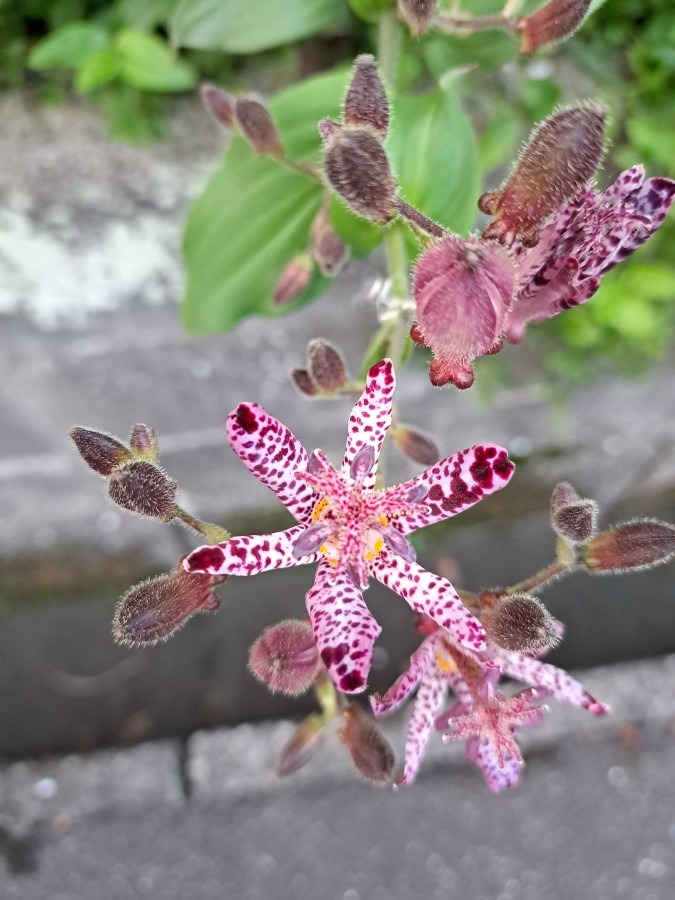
[561,156]
[285,657]
[293,280]
[555,21]
[415,445]
[328,250]
[630,546]
[303,382]
[370,751]
[357,168]
[575,522]
[328,129]
[143,441]
[521,623]
[326,366]
[156,608]
[366,101]
[417,14]
[143,488]
[100,451]
[303,744]
[219,104]
[257,127]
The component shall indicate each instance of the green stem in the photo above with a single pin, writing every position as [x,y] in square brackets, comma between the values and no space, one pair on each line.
[388,46]
[397,260]
[543,577]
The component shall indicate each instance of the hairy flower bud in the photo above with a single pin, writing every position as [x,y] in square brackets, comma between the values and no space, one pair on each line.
[154,609]
[557,20]
[303,382]
[100,451]
[143,441]
[572,518]
[415,445]
[257,127]
[561,156]
[357,168]
[285,657]
[326,366]
[630,546]
[303,744]
[370,751]
[521,623]
[418,14]
[293,280]
[328,250]
[219,104]
[366,101]
[144,488]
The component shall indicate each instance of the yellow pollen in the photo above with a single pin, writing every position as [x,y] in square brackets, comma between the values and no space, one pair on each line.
[319,508]
[445,664]
[376,549]
[383,520]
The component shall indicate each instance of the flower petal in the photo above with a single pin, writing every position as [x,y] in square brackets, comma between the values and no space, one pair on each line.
[403,687]
[456,483]
[481,752]
[430,698]
[273,454]
[344,629]
[371,417]
[249,554]
[429,594]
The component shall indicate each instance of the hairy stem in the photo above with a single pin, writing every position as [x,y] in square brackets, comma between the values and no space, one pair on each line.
[543,577]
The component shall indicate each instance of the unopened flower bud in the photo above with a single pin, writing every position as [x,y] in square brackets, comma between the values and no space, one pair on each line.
[563,495]
[366,101]
[219,104]
[326,366]
[370,751]
[143,488]
[303,744]
[561,156]
[156,608]
[293,280]
[100,451]
[415,445]
[418,14]
[257,127]
[328,250]
[557,20]
[143,441]
[303,382]
[357,168]
[521,623]
[630,546]
[285,657]
[327,130]
[574,520]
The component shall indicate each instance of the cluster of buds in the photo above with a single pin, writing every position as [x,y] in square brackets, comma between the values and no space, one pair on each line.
[248,115]
[325,374]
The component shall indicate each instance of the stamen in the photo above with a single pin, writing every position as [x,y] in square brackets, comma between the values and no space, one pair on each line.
[417,493]
[363,462]
[314,466]
[310,540]
[398,544]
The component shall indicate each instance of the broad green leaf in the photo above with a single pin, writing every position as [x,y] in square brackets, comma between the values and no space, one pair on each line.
[361,235]
[97,69]
[488,49]
[145,62]
[498,142]
[68,47]
[146,15]
[247,26]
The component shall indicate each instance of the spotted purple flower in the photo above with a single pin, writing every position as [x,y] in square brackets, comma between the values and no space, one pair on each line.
[353,530]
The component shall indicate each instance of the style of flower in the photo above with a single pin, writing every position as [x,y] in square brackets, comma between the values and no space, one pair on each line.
[482,714]
[353,530]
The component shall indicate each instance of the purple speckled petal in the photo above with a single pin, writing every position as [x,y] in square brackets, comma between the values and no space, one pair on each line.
[430,697]
[560,684]
[429,594]
[249,554]
[273,454]
[481,752]
[371,417]
[456,483]
[405,684]
[344,629]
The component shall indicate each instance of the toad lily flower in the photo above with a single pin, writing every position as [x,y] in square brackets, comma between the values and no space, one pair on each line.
[353,530]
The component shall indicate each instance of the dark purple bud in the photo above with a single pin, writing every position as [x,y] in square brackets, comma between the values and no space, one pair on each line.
[311,539]
[415,445]
[366,101]
[303,744]
[557,20]
[575,522]
[370,751]
[144,488]
[293,280]
[357,168]
[328,250]
[143,441]
[303,382]
[326,366]
[418,14]
[101,452]
[363,462]
[327,130]
[398,543]
[257,127]
[520,623]
[563,495]
[285,657]
[630,546]
[219,104]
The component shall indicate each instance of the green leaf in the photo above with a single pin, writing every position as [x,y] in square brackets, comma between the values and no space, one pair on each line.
[146,15]
[68,47]
[254,216]
[247,26]
[146,63]
[361,235]
[97,69]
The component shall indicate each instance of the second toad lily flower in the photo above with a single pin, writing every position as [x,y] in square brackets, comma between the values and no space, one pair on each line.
[353,530]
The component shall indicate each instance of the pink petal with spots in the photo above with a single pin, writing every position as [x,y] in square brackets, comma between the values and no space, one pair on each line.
[481,752]
[344,628]
[560,684]
[249,554]
[456,483]
[403,687]
[429,594]
[273,454]
[430,697]
[370,418]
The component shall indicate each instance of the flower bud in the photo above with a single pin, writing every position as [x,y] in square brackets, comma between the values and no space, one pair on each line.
[100,451]
[561,156]
[415,445]
[143,488]
[257,127]
[418,14]
[357,168]
[303,382]
[574,521]
[366,101]
[557,20]
[143,441]
[293,280]
[219,104]
[370,751]
[154,609]
[630,546]
[285,657]
[328,250]
[303,744]
[327,130]
[521,623]
[325,366]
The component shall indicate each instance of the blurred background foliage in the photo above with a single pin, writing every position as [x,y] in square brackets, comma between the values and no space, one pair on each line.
[131,58]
